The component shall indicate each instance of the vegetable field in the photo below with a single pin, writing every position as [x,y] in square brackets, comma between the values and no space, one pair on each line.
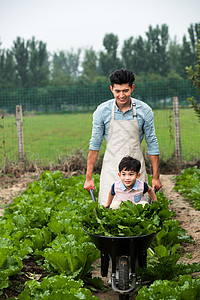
[45,223]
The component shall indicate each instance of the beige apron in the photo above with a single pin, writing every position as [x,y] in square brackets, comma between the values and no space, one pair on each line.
[123,139]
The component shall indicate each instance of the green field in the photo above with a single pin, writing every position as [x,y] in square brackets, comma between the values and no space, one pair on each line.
[49,137]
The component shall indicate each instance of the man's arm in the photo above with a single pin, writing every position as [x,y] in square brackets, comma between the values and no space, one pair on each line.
[155,164]
[152,145]
[92,158]
[95,145]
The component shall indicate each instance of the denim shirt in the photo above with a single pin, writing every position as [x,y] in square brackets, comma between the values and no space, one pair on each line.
[102,117]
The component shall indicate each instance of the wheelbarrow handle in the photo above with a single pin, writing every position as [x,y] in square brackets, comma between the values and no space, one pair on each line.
[155,191]
[91,190]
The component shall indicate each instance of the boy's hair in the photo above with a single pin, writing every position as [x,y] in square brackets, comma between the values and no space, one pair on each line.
[129,164]
[122,76]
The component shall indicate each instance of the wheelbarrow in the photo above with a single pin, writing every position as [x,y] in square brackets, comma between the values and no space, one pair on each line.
[126,252]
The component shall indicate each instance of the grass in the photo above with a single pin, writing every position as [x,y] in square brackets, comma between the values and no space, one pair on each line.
[49,137]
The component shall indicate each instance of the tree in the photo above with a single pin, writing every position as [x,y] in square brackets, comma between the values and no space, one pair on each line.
[174,54]
[90,68]
[59,78]
[128,53]
[59,73]
[194,76]
[65,67]
[134,54]
[38,64]
[148,56]
[194,34]
[31,63]
[7,69]
[73,62]
[188,49]
[110,43]
[108,61]
[156,50]
[186,57]
[21,56]
[140,54]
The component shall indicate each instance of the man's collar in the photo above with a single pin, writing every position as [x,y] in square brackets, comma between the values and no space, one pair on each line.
[117,108]
[135,187]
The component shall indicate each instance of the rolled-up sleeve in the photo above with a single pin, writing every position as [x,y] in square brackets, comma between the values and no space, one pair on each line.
[150,135]
[97,131]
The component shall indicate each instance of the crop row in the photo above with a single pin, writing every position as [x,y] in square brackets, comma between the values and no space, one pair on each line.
[46,222]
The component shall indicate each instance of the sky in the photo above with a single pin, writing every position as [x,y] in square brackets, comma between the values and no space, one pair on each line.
[72,24]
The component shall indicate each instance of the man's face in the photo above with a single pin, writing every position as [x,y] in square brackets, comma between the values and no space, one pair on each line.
[122,93]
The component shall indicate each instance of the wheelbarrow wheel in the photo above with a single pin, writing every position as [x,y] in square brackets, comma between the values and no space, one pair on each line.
[123,276]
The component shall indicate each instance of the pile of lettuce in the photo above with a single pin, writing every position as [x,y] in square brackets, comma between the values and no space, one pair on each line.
[128,220]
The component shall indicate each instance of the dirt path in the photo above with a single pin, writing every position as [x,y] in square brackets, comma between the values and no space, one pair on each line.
[12,187]
[185,213]
[189,218]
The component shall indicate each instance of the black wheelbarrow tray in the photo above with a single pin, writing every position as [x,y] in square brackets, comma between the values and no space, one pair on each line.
[130,250]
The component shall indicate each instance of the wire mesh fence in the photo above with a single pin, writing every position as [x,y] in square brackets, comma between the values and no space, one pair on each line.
[58,120]
[83,98]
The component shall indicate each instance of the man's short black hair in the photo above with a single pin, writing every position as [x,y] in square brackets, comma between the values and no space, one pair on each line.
[129,163]
[122,76]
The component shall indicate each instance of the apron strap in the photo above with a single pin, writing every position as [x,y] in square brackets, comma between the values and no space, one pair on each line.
[134,109]
[113,110]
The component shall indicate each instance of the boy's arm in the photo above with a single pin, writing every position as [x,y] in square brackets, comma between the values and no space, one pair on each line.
[110,199]
[152,194]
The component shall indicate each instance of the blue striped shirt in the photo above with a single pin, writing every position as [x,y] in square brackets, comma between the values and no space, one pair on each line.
[102,117]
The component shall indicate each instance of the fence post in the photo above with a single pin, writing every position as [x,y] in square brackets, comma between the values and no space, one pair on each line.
[177,132]
[20,133]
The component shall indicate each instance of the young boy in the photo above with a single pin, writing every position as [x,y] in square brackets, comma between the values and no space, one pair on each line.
[129,187]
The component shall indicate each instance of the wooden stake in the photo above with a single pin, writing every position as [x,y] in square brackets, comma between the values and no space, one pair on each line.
[20,133]
[177,132]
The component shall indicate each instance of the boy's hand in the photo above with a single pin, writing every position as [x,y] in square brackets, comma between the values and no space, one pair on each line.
[106,206]
[152,194]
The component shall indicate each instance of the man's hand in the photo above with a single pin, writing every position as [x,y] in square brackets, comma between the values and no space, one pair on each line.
[156,183]
[89,184]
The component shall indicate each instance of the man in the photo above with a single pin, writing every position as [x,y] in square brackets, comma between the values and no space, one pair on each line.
[123,122]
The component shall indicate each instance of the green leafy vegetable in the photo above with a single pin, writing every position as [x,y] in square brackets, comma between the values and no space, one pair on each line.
[56,287]
[128,220]
[185,288]
[188,184]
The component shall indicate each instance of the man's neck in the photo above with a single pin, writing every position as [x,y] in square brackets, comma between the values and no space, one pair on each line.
[124,107]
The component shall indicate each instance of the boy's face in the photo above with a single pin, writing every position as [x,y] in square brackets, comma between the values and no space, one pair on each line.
[128,178]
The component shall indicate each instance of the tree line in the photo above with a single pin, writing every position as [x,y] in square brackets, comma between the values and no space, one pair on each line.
[153,58]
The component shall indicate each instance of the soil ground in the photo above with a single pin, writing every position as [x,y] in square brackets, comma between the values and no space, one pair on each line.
[12,187]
